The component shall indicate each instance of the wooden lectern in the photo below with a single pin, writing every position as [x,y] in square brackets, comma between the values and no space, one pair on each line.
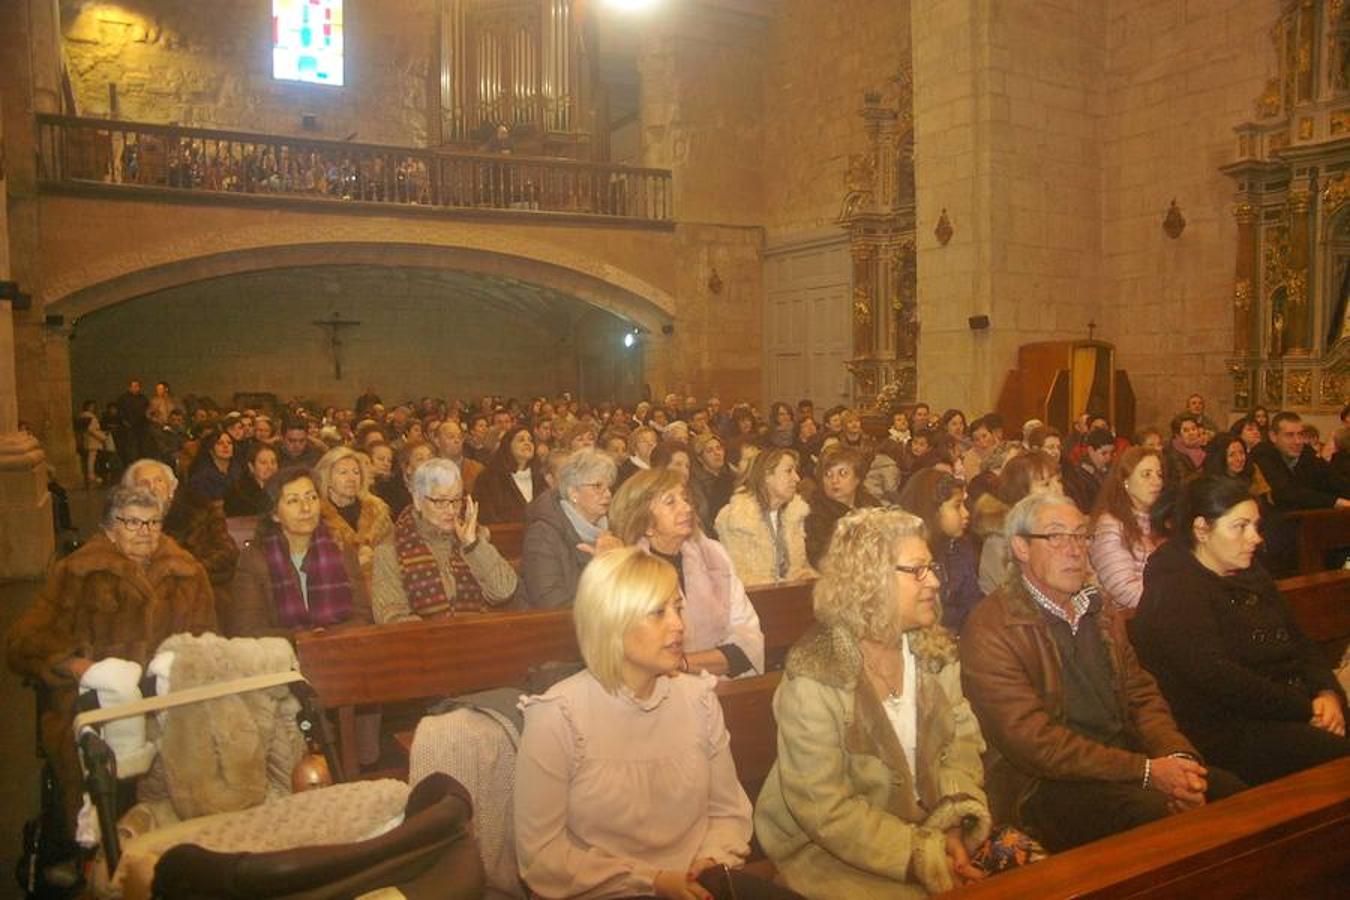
[1057,381]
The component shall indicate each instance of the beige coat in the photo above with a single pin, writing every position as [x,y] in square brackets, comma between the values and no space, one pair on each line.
[744,533]
[837,814]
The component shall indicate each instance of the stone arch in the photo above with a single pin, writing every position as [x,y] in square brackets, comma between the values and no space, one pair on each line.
[116,279]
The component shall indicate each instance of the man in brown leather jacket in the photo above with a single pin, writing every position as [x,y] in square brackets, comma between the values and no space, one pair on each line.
[1081,742]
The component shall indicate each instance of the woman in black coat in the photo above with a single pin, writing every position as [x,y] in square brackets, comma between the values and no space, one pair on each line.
[1244,683]
[511,480]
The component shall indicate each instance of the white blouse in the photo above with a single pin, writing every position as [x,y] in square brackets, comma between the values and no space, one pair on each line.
[903,711]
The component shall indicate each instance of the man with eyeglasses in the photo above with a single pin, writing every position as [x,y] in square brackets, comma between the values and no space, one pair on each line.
[1081,743]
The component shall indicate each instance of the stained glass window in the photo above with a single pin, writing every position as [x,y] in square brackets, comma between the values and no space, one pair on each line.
[307,40]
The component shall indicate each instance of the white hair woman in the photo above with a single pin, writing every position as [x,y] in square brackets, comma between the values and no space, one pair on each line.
[438,560]
[121,594]
[653,510]
[355,517]
[625,784]
[878,789]
[565,526]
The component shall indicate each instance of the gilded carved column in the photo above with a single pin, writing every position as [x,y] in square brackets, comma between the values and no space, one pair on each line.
[1244,278]
[1297,336]
[864,300]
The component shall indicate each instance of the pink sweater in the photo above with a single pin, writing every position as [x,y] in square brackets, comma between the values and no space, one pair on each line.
[1120,568]
[610,789]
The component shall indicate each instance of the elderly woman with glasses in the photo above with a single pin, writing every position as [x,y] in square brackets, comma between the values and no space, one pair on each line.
[653,510]
[118,596]
[438,560]
[878,789]
[565,526]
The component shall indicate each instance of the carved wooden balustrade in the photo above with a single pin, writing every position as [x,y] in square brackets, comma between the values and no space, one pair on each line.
[212,162]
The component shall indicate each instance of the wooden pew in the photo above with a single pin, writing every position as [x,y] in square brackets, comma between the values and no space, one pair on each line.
[1321,604]
[785,612]
[378,664]
[1320,531]
[509,539]
[1286,838]
[386,664]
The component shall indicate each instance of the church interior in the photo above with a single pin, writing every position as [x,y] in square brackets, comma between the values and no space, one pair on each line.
[1043,209]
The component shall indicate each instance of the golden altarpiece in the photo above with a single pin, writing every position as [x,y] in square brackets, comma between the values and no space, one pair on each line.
[878,213]
[1291,324]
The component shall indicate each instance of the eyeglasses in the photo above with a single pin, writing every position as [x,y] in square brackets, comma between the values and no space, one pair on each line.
[1060,540]
[919,572]
[131,523]
[444,502]
[599,487]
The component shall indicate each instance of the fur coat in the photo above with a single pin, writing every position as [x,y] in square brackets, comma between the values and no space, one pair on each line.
[838,814]
[372,527]
[98,603]
[744,532]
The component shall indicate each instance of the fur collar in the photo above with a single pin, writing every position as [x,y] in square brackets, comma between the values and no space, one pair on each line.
[830,655]
[102,555]
[988,515]
[372,527]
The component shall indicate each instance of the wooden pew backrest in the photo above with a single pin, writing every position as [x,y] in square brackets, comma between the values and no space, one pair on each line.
[1319,532]
[1286,838]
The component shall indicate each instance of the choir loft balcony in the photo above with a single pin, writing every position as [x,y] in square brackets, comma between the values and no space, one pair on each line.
[209,166]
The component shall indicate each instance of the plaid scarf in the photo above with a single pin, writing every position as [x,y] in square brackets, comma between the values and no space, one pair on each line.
[422,575]
[329,592]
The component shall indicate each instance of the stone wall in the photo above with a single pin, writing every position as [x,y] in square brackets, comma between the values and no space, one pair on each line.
[1007,107]
[210,65]
[821,60]
[1178,78]
[420,334]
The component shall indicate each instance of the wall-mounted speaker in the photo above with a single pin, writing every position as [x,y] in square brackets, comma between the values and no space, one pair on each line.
[978,323]
[667,329]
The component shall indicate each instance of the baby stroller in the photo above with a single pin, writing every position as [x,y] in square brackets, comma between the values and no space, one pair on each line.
[195,832]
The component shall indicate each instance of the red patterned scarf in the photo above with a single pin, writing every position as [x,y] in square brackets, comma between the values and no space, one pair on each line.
[422,576]
[328,592]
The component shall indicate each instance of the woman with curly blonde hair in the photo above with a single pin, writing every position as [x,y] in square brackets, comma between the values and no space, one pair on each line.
[878,790]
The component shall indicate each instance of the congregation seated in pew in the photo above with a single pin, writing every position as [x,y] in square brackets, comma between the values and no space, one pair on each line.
[878,789]
[625,784]
[438,560]
[1081,742]
[652,510]
[1244,682]
[565,526]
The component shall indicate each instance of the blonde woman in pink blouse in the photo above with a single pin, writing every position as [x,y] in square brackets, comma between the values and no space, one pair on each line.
[1123,535]
[625,785]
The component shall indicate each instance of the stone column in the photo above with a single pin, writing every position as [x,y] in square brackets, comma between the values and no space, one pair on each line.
[27,538]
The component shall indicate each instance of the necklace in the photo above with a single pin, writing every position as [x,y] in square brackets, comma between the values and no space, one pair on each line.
[894,690]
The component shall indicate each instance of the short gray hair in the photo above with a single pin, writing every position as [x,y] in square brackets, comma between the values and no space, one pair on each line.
[124,497]
[129,476]
[585,466]
[435,473]
[1021,518]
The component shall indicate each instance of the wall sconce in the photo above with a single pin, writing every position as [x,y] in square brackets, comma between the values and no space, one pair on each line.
[1175,222]
[944,230]
[9,290]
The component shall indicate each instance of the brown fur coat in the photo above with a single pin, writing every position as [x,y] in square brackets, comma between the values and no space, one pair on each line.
[97,603]
[373,526]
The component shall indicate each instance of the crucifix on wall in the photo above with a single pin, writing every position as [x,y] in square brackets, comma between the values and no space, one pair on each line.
[335,324]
